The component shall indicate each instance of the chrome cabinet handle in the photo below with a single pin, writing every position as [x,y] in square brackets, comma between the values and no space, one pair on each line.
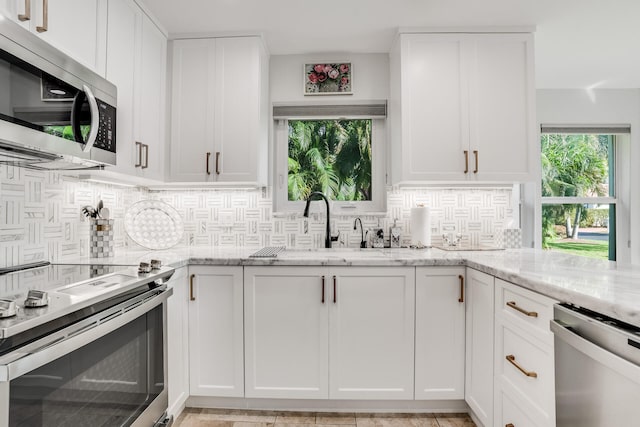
[475,153]
[139,161]
[146,156]
[461,278]
[27,11]
[466,161]
[208,157]
[323,289]
[191,297]
[335,298]
[45,17]
[217,163]
[513,305]
[512,359]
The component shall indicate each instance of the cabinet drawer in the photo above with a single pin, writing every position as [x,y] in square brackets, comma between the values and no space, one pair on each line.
[510,414]
[527,365]
[527,309]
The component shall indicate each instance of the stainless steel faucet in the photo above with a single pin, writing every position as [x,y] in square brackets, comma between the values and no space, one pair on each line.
[328,237]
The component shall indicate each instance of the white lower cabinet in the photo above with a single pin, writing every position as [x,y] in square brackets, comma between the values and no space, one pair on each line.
[371,333]
[524,357]
[479,345]
[286,332]
[178,344]
[216,331]
[338,333]
[440,333]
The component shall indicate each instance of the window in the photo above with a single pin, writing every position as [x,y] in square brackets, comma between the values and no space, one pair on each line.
[579,192]
[329,156]
[343,158]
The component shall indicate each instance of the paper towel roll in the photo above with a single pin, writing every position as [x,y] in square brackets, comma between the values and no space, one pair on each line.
[420,226]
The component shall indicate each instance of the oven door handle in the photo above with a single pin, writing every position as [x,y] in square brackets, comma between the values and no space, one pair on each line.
[597,353]
[63,342]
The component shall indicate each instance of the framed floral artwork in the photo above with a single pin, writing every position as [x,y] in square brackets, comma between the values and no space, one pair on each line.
[328,78]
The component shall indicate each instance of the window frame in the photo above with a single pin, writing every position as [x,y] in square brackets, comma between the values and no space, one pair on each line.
[377,204]
[618,198]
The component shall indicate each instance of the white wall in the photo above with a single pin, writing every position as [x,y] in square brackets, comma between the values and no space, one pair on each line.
[605,107]
[369,75]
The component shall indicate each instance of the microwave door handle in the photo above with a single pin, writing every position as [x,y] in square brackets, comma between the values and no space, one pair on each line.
[95,118]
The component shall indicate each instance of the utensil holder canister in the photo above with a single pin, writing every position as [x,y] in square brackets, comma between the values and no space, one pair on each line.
[101,238]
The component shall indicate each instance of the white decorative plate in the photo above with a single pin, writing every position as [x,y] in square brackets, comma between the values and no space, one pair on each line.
[153,224]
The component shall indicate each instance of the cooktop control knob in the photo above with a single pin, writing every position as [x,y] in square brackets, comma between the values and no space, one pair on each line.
[36,299]
[7,308]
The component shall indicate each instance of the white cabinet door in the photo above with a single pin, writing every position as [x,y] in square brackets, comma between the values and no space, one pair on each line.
[123,38]
[177,341]
[237,118]
[502,108]
[216,331]
[463,107]
[286,332]
[479,345]
[371,333]
[440,333]
[192,121]
[219,111]
[136,64]
[76,27]
[435,114]
[151,112]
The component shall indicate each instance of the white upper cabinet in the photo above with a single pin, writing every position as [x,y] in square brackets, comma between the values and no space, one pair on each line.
[136,64]
[219,126]
[76,27]
[462,107]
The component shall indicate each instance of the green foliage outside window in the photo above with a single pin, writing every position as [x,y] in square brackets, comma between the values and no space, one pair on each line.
[573,166]
[330,156]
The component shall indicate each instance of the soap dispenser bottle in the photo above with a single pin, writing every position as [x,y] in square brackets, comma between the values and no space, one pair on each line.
[394,234]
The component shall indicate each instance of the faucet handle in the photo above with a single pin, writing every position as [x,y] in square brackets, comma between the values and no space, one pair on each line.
[336,237]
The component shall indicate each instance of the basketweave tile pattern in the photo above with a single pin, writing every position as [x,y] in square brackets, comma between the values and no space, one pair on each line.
[40,216]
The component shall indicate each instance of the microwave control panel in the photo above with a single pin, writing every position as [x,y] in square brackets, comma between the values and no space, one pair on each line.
[106,138]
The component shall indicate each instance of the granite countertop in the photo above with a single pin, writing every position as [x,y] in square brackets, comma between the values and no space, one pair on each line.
[599,285]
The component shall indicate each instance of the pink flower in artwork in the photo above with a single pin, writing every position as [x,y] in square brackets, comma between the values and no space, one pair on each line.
[328,68]
[344,80]
[313,77]
[322,77]
[333,73]
[344,68]
[318,68]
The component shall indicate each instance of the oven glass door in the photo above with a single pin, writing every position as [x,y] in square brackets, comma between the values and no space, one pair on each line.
[109,382]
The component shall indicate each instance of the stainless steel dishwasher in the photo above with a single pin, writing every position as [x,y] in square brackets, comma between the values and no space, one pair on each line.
[597,364]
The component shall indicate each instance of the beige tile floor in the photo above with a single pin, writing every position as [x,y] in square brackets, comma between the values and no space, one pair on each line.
[192,417]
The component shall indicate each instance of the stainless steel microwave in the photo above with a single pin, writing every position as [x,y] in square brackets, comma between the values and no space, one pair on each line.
[55,113]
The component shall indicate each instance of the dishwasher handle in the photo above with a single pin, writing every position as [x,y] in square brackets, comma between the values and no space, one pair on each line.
[597,353]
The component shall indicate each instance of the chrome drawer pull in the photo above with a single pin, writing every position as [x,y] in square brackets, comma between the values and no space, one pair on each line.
[512,359]
[513,305]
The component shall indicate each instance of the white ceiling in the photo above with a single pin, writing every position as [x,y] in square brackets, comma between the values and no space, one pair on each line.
[579,43]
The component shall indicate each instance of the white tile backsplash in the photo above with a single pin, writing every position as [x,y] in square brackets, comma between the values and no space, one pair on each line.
[40,216]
